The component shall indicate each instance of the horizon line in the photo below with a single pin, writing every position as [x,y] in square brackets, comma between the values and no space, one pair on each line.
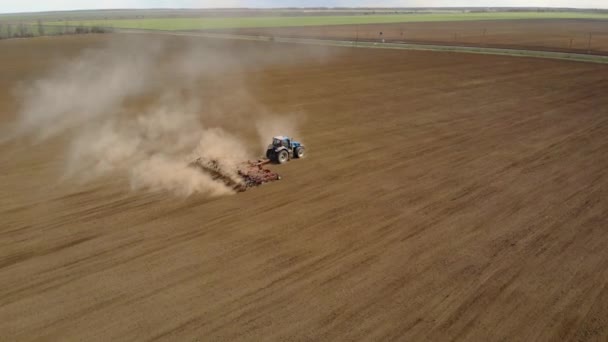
[298,8]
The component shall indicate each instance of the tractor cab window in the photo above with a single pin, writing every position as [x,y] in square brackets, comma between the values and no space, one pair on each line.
[279,142]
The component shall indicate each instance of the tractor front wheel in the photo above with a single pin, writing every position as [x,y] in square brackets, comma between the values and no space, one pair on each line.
[283,157]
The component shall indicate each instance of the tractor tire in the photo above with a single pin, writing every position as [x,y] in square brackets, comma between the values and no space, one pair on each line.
[300,152]
[283,157]
[270,154]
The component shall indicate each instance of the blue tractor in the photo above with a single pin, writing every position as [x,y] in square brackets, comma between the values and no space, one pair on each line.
[284,148]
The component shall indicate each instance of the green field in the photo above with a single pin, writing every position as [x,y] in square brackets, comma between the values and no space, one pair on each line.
[283,21]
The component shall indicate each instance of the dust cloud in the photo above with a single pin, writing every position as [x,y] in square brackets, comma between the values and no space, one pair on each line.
[94,100]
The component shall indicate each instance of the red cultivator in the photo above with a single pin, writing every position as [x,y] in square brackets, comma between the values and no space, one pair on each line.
[254,173]
[247,175]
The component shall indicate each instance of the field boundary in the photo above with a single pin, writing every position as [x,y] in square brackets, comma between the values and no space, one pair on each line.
[577,57]
[240,22]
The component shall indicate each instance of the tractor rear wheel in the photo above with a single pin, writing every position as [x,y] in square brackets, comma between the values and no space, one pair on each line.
[283,157]
[300,152]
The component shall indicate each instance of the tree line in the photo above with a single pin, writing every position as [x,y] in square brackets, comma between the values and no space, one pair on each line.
[28,30]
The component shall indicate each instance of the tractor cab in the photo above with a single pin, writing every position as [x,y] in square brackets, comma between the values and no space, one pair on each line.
[281,141]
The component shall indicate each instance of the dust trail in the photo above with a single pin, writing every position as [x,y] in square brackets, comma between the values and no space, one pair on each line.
[84,88]
[95,101]
[154,148]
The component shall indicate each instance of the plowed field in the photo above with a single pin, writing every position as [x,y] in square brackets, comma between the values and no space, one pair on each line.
[576,35]
[445,196]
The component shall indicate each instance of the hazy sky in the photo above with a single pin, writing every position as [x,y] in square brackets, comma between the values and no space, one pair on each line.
[8,6]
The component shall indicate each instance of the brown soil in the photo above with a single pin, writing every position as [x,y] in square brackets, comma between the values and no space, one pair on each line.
[546,34]
[445,196]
